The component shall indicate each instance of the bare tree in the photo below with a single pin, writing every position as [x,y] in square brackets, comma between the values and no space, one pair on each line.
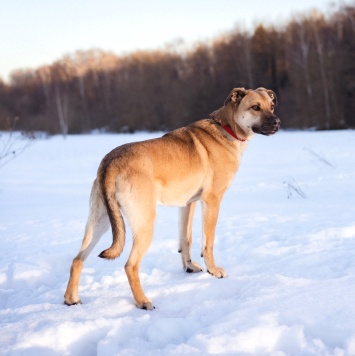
[304,46]
[62,110]
[321,56]
[13,143]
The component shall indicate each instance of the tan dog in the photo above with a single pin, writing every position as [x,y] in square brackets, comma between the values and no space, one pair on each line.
[196,162]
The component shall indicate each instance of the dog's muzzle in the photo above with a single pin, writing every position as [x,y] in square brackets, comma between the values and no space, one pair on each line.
[268,127]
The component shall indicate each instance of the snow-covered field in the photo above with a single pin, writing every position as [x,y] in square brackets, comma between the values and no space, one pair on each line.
[285,236]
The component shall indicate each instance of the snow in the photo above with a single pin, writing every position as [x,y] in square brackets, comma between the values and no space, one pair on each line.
[285,236]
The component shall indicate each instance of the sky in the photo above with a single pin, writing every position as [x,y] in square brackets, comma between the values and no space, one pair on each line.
[38,32]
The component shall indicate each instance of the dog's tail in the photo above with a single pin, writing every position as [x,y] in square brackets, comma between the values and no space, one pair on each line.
[107,180]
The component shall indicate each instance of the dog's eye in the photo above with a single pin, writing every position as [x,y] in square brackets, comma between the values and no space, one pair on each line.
[255,107]
[272,107]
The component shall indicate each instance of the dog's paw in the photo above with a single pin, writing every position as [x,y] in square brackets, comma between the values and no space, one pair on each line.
[217,272]
[193,267]
[146,305]
[69,303]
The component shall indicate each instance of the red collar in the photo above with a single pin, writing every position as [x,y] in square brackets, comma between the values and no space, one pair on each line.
[230,131]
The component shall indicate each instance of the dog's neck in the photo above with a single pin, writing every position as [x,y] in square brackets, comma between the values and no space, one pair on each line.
[232,133]
[220,117]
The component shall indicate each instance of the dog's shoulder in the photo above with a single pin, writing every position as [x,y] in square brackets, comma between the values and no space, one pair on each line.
[200,129]
[206,137]
[203,123]
[207,129]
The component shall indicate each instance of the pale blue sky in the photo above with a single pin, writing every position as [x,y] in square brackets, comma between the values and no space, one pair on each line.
[37,32]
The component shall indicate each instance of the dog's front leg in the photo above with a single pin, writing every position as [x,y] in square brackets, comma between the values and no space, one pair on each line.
[186,215]
[210,209]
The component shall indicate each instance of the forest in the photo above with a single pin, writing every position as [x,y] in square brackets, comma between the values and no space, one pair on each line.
[309,63]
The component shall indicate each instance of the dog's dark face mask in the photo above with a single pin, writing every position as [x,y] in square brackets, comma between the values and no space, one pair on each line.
[269,124]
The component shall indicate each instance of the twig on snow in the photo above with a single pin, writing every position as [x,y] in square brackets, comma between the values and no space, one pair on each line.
[321,158]
[293,187]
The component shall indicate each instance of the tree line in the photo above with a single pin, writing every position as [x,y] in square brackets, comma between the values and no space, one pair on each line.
[309,63]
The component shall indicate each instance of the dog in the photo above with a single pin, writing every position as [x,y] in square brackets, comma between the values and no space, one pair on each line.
[194,163]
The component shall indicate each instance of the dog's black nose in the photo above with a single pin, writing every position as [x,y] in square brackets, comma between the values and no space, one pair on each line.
[277,122]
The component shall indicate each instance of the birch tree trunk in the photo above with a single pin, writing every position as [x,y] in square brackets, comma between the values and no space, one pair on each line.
[325,85]
[62,110]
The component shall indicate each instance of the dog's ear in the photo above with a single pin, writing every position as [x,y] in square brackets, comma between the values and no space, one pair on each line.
[271,94]
[235,96]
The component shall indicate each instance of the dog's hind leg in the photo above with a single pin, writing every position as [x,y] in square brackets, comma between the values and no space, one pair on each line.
[142,240]
[186,215]
[141,218]
[97,224]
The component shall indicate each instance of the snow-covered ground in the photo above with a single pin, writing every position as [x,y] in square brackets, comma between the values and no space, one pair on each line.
[286,237]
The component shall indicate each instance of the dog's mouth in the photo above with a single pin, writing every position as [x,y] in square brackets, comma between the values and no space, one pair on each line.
[264,132]
[268,128]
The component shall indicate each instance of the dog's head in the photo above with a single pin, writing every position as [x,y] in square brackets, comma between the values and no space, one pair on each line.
[253,110]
